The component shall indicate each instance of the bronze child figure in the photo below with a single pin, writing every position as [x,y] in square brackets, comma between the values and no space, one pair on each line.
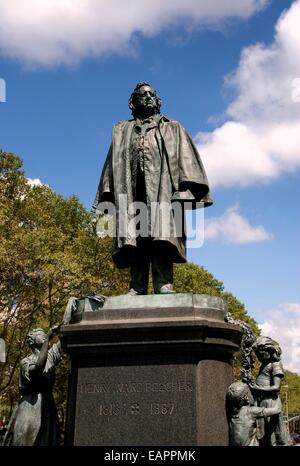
[34,421]
[244,418]
[266,391]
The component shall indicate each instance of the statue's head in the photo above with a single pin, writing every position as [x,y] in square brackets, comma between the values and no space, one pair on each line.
[144,101]
[36,338]
[266,349]
[239,394]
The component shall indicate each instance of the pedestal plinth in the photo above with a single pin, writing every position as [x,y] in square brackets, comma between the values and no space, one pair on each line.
[150,370]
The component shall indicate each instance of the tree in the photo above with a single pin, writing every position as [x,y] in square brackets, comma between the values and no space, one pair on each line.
[290,388]
[190,278]
[49,251]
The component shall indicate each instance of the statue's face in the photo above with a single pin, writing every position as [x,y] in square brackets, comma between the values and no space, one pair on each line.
[145,101]
[39,338]
[262,354]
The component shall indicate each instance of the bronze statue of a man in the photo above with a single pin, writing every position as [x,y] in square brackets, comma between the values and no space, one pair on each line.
[153,162]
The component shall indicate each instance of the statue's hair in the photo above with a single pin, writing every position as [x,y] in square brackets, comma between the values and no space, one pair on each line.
[238,394]
[269,346]
[131,99]
[31,335]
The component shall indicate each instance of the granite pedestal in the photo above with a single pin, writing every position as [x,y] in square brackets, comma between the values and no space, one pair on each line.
[150,370]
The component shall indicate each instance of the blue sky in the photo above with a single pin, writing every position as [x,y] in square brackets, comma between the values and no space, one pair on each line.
[230,74]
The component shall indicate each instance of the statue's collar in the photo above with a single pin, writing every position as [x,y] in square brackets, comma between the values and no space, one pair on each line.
[158,117]
[149,120]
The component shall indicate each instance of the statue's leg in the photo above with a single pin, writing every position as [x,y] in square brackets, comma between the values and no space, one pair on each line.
[282,437]
[139,270]
[162,273]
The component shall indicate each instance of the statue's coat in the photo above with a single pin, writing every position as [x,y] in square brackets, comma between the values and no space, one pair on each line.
[182,170]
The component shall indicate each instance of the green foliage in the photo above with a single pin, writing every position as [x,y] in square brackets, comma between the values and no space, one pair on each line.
[190,278]
[49,251]
[291,386]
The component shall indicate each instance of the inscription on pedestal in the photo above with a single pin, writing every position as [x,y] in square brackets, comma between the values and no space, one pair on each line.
[132,405]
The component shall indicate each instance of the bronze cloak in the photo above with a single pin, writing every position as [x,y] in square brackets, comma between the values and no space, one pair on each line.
[185,172]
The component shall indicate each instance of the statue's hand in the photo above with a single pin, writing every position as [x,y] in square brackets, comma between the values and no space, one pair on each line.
[254,386]
[53,331]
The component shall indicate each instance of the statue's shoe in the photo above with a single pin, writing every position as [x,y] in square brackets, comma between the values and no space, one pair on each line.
[167,289]
[133,292]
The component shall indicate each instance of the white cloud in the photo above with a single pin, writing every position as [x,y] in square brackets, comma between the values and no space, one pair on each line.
[233,228]
[34,182]
[283,325]
[261,139]
[52,32]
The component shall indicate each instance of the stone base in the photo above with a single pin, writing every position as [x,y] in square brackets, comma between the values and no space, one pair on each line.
[150,370]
